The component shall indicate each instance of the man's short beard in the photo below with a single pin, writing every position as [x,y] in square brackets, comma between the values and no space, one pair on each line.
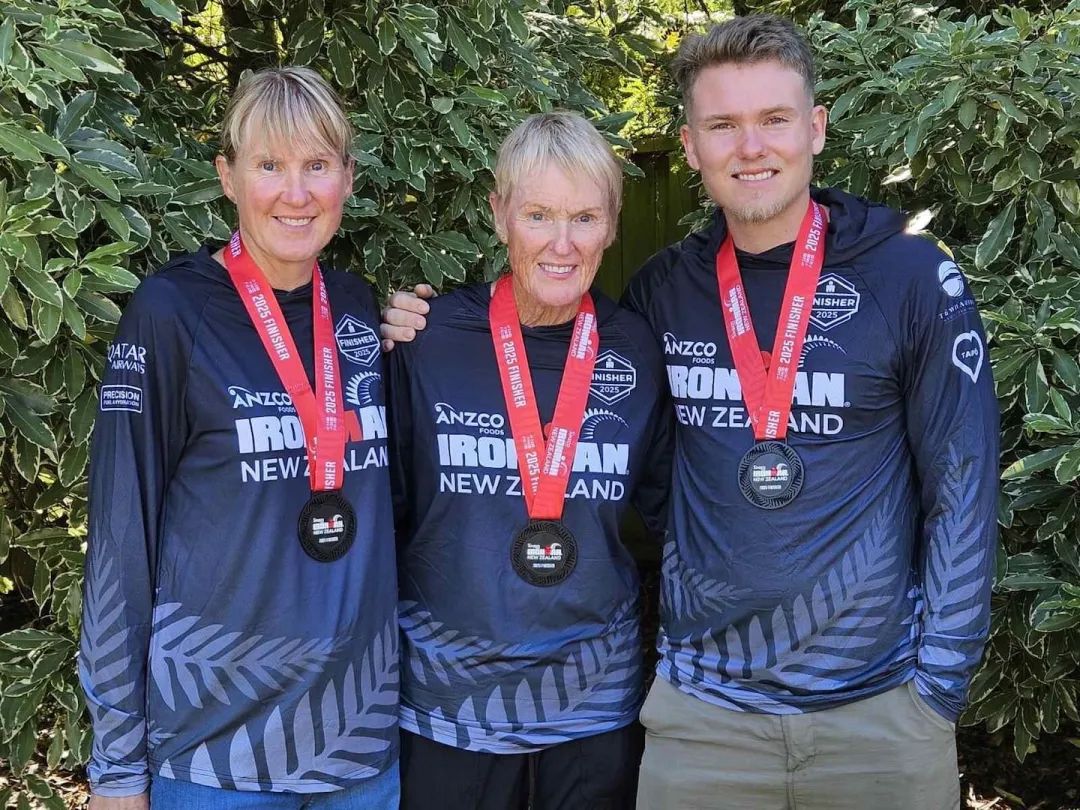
[756,214]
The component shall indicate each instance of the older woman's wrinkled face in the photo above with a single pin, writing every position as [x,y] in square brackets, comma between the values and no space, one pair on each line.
[289,198]
[555,227]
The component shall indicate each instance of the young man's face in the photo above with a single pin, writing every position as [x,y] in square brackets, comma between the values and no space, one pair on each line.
[752,131]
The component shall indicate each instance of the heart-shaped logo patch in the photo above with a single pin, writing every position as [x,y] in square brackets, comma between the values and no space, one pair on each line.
[967,354]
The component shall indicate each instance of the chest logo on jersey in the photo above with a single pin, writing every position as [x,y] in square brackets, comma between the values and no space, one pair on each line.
[356,340]
[487,423]
[699,351]
[127,357]
[601,425]
[817,343]
[244,398]
[835,302]
[121,398]
[613,378]
[361,389]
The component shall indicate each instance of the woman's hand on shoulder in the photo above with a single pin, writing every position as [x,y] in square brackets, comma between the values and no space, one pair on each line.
[404,315]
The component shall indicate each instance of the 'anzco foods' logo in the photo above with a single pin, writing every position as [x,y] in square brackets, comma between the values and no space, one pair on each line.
[835,301]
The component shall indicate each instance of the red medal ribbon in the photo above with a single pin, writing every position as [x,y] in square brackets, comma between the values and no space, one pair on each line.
[768,392]
[321,412]
[545,481]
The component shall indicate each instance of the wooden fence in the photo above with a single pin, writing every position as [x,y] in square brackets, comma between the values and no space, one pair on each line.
[652,208]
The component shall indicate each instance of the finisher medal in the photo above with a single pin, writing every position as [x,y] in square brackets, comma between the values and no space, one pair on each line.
[327,525]
[545,551]
[771,473]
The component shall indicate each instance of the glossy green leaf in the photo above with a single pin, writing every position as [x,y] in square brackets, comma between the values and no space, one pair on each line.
[96,179]
[39,284]
[14,141]
[165,9]
[198,192]
[108,160]
[82,416]
[30,425]
[14,308]
[1036,462]
[87,55]
[997,236]
[386,36]
[1067,469]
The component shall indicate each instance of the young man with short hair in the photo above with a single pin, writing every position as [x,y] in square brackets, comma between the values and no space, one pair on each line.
[828,566]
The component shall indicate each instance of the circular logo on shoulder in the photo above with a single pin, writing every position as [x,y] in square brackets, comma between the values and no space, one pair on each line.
[327,526]
[544,552]
[770,475]
[950,278]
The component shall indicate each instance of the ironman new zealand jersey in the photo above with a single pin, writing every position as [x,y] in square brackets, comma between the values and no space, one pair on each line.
[491,662]
[879,571]
[214,649]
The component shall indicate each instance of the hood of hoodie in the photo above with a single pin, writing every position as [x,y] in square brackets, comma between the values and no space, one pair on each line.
[855,226]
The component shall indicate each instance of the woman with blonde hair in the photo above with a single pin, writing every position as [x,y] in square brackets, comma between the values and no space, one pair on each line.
[526,418]
[239,645]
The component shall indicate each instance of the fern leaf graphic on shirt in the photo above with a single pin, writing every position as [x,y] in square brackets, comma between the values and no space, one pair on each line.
[335,730]
[812,640]
[687,594]
[954,574]
[193,662]
[599,676]
[119,729]
[439,653]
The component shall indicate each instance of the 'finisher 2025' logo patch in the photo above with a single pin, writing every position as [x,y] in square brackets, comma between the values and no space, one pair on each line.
[835,301]
[613,378]
[357,341]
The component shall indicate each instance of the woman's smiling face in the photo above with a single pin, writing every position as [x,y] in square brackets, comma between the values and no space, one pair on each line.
[555,227]
[289,198]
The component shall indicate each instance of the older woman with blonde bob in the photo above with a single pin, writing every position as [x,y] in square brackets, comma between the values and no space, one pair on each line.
[239,646]
[527,416]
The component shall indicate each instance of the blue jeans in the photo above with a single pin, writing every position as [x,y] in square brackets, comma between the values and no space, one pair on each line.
[378,793]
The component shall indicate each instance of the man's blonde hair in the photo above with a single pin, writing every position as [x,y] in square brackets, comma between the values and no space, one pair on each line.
[743,41]
[562,139]
[288,105]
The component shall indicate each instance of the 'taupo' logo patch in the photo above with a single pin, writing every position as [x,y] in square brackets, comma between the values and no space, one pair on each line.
[835,302]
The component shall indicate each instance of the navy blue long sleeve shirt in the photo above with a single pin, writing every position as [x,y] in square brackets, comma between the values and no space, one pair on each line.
[880,570]
[214,650]
[491,662]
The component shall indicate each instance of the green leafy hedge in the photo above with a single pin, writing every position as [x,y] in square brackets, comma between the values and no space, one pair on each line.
[973,123]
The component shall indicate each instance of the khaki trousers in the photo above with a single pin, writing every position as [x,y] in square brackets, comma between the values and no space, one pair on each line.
[888,752]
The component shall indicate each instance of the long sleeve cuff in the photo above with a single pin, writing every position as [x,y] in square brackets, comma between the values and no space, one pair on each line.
[940,703]
[119,788]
